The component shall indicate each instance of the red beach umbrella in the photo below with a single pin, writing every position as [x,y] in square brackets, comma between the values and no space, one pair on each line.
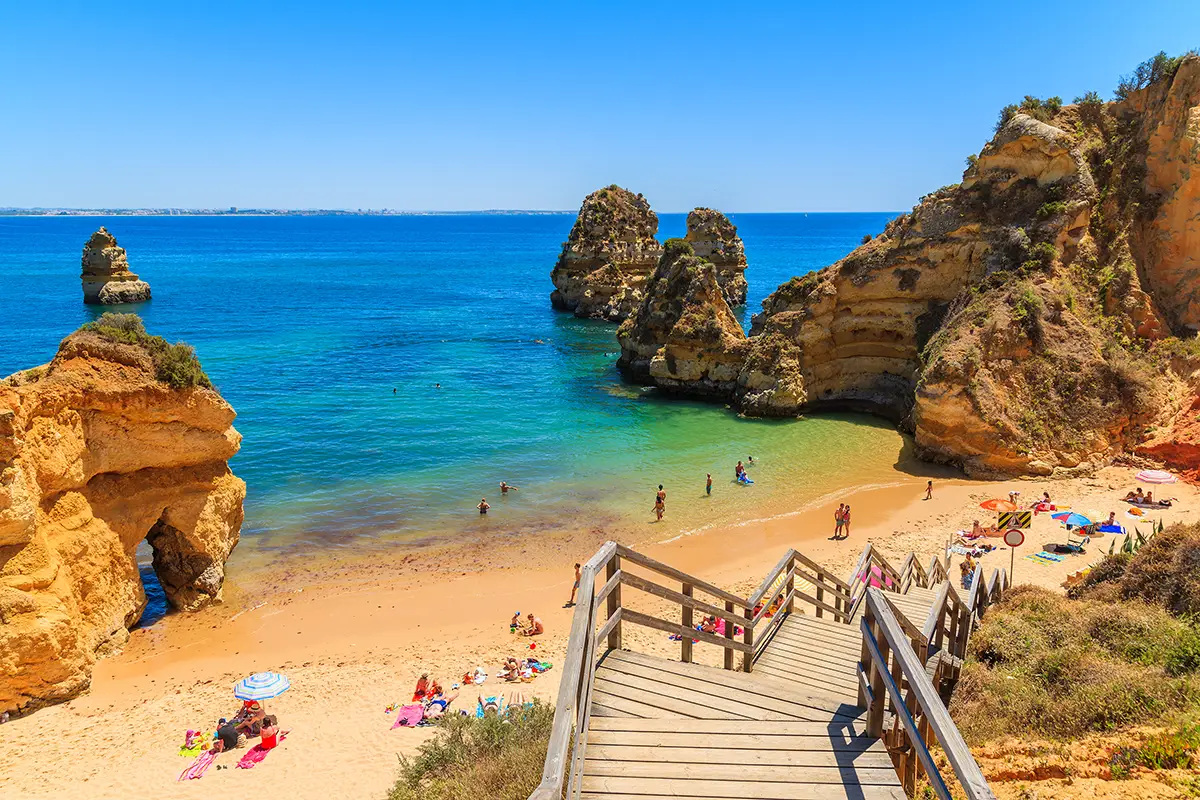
[997,505]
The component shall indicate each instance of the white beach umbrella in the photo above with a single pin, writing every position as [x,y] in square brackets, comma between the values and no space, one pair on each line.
[1155,476]
[261,686]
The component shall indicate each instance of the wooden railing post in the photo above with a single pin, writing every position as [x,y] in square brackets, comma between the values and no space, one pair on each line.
[748,656]
[789,590]
[729,631]
[685,644]
[879,693]
[614,603]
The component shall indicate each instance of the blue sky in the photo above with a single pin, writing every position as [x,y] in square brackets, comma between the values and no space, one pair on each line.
[838,106]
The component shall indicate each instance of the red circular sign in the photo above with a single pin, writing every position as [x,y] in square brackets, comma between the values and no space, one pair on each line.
[1013,537]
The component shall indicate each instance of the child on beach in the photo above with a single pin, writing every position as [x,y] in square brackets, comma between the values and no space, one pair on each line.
[574,588]
[708,484]
[929,491]
[515,624]
[535,627]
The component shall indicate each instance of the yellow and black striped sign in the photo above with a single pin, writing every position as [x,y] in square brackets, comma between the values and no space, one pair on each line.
[1015,519]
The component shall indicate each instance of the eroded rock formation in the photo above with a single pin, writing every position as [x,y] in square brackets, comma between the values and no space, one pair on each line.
[1023,321]
[106,276]
[714,238]
[608,256]
[97,455]
[683,336]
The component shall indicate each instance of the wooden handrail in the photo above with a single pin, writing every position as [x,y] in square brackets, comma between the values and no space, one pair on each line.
[670,572]
[889,663]
[580,647]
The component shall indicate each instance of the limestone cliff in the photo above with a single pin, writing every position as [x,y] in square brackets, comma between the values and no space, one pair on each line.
[608,256]
[682,336]
[97,453]
[1023,321]
[715,239]
[106,276]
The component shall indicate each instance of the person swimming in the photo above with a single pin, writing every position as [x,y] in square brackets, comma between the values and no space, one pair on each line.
[504,487]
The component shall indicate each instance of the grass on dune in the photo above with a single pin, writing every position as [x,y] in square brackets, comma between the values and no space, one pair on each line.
[493,758]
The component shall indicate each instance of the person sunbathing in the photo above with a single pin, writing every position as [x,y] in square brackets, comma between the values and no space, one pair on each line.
[492,704]
[976,530]
[438,706]
[511,670]
[270,732]
[1135,497]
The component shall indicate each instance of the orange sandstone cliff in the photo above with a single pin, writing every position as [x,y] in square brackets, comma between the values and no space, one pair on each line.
[97,454]
[1039,317]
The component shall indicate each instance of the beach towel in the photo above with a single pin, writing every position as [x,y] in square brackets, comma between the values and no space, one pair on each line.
[1051,556]
[199,766]
[256,754]
[1043,558]
[409,716]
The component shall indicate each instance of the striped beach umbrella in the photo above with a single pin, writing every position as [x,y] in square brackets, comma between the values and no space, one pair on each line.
[261,686]
[1072,519]
[1155,476]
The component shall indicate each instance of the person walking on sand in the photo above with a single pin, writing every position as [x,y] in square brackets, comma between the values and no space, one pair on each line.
[929,491]
[846,523]
[708,484]
[483,506]
[574,588]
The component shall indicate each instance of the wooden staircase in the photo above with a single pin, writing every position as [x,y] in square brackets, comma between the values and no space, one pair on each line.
[835,693]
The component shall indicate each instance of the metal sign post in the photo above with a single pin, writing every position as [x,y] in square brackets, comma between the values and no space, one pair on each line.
[1014,538]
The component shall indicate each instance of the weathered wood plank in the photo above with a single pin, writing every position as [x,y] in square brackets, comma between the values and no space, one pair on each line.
[701,754]
[843,731]
[652,698]
[755,741]
[852,775]
[813,791]
[688,601]
[635,708]
[693,692]
[719,695]
[756,684]
[669,571]
[758,790]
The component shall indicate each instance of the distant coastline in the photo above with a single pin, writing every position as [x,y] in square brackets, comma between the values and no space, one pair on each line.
[234,211]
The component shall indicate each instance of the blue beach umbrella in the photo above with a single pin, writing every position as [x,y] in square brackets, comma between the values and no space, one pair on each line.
[261,686]
[1071,519]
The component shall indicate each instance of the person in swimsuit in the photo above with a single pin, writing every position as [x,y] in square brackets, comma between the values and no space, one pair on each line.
[837,521]
[270,733]
[929,491]
[535,627]
[504,487]
[846,523]
[483,505]
[660,502]
[749,459]
[708,483]
[574,588]
[739,471]
[227,738]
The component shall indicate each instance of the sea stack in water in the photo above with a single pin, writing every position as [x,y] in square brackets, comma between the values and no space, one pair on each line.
[608,256]
[106,446]
[106,276]
[715,239]
[683,337]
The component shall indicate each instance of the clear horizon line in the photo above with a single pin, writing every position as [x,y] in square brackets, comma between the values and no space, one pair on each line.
[268,210]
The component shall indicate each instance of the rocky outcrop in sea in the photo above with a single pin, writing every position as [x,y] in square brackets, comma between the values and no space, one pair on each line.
[106,276]
[1037,318]
[715,239]
[97,455]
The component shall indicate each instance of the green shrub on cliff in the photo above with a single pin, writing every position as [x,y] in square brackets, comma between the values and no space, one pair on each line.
[1045,665]
[496,757]
[1149,72]
[675,247]
[174,364]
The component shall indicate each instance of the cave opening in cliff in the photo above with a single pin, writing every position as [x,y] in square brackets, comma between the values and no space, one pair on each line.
[156,597]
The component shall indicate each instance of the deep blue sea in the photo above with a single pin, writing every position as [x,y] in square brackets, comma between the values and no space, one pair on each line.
[328,335]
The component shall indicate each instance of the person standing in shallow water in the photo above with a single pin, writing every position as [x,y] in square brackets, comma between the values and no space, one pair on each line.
[483,506]
[660,502]
[708,484]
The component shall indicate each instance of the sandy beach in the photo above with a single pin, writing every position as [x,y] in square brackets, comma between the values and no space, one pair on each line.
[354,634]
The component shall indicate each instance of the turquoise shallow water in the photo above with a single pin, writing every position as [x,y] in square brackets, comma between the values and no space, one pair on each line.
[307,324]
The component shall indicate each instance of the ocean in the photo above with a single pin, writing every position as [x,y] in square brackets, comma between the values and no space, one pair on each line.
[328,335]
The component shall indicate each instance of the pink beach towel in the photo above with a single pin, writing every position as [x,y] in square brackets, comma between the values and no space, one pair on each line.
[409,716]
[257,753]
[199,766]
